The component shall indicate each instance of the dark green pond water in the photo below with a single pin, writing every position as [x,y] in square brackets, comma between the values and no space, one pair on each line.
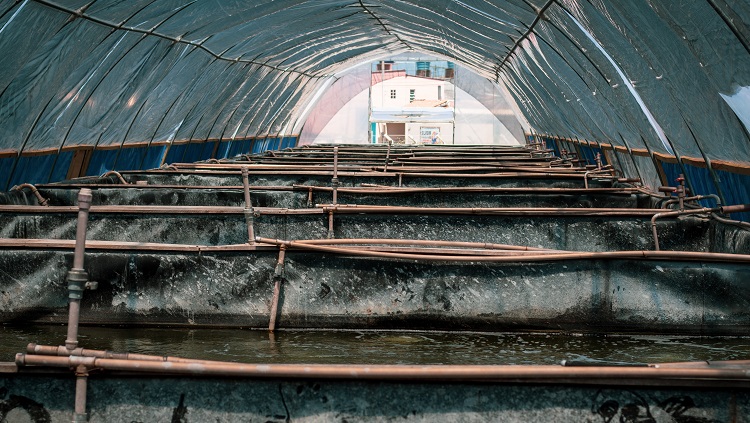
[383,347]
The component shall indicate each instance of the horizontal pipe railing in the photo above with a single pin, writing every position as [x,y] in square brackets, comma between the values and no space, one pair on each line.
[387,372]
[362,189]
[392,172]
[561,256]
[341,209]
[271,245]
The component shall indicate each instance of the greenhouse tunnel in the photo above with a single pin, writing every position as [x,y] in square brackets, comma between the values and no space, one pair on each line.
[90,86]
[185,182]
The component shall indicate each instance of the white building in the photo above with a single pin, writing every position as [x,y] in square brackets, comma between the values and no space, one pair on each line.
[358,108]
[411,109]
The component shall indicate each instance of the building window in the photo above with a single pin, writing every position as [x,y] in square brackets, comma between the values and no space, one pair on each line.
[393,94]
[412,94]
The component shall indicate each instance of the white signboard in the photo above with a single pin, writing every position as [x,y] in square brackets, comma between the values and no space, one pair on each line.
[429,134]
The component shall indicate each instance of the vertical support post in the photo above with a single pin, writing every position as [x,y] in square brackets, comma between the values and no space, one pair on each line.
[277,276]
[335,180]
[82,374]
[681,191]
[387,158]
[77,277]
[249,213]
[330,224]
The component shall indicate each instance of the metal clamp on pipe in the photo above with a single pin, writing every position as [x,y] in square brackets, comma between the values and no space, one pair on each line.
[78,281]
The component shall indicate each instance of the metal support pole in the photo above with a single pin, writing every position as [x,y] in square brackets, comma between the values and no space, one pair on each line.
[278,274]
[330,224]
[77,276]
[249,213]
[335,180]
[387,158]
[82,374]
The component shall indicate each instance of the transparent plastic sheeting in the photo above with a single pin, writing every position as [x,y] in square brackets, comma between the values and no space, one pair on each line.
[664,75]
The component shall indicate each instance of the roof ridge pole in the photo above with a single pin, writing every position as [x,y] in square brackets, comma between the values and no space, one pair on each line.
[529,31]
[382,24]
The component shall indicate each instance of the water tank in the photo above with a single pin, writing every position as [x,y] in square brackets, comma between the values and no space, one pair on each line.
[423,69]
[450,70]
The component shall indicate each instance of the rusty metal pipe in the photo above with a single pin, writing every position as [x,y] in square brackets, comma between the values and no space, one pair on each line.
[335,179]
[500,211]
[562,256]
[286,171]
[278,274]
[115,173]
[743,225]
[368,189]
[705,210]
[79,413]
[391,372]
[387,158]
[447,251]
[694,198]
[248,210]
[422,242]
[330,224]
[40,199]
[62,351]
[77,277]
[586,176]
[348,208]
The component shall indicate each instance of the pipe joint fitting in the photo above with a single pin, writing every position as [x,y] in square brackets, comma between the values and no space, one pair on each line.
[82,370]
[77,280]
[279,270]
[84,199]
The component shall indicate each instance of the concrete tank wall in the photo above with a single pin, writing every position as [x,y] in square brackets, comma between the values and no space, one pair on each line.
[160,399]
[320,290]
